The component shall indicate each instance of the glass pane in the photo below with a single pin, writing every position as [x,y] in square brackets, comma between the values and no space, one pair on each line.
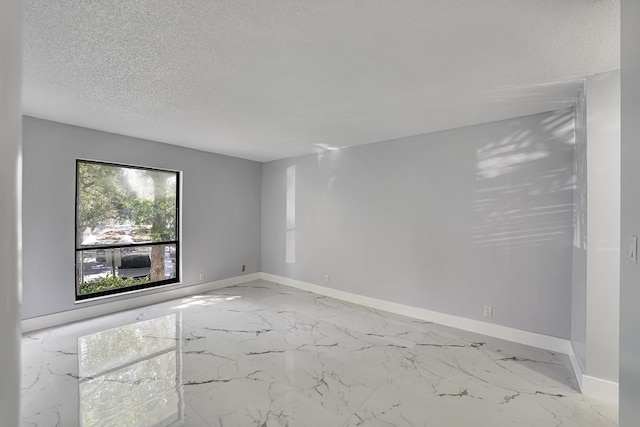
[119,205]
[101,270]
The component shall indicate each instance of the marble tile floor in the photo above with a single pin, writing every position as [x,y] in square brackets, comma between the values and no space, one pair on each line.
[262,354]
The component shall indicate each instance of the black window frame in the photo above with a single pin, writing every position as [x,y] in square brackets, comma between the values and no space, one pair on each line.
[80,248]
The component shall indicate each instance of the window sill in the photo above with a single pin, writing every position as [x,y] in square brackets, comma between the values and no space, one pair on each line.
[149,290]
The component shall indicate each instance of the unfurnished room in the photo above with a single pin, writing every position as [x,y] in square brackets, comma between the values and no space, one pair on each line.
[320,213]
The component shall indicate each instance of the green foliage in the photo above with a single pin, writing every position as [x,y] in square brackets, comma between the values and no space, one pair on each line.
[104,195]
[160,213]
[110,282]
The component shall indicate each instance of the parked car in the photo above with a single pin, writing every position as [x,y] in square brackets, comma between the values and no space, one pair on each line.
[135,266]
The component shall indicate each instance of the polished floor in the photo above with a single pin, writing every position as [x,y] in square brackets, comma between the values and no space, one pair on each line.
[261,354]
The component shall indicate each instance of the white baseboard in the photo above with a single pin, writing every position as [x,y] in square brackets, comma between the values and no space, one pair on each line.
[600,389]
[590,386]
[577,367]
[511,334]
[82,313]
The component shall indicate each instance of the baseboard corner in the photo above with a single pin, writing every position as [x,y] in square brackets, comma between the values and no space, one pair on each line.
[600,389]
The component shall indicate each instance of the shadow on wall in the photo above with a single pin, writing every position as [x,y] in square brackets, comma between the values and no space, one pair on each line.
[524,186]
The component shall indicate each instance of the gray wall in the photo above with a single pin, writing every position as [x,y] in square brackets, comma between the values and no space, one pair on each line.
[220,212]
[603,252]
[10,87]
[630,216]
[448,221]
[579,274]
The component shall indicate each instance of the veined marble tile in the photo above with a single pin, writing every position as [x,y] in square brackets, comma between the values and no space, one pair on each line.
[268,355]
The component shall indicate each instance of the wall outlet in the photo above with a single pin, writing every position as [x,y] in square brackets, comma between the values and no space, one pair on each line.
[326,278]
[202,275]
[488,311]
[244,268]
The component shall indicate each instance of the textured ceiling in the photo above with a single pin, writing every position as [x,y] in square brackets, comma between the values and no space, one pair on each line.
[265,80]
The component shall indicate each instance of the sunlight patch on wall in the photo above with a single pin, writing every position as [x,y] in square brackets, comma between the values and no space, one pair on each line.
[291,216]
[524,191]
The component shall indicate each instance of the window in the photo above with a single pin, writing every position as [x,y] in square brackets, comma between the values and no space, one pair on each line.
[126,228]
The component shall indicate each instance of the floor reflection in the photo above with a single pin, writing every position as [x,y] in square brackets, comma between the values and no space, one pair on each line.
[131,375]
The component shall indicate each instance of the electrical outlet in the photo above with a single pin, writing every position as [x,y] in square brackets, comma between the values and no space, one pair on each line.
[326,278]
[244,268]
[488,311]
[202,275]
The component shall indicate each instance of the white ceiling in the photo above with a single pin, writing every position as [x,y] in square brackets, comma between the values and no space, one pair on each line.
[265,80]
